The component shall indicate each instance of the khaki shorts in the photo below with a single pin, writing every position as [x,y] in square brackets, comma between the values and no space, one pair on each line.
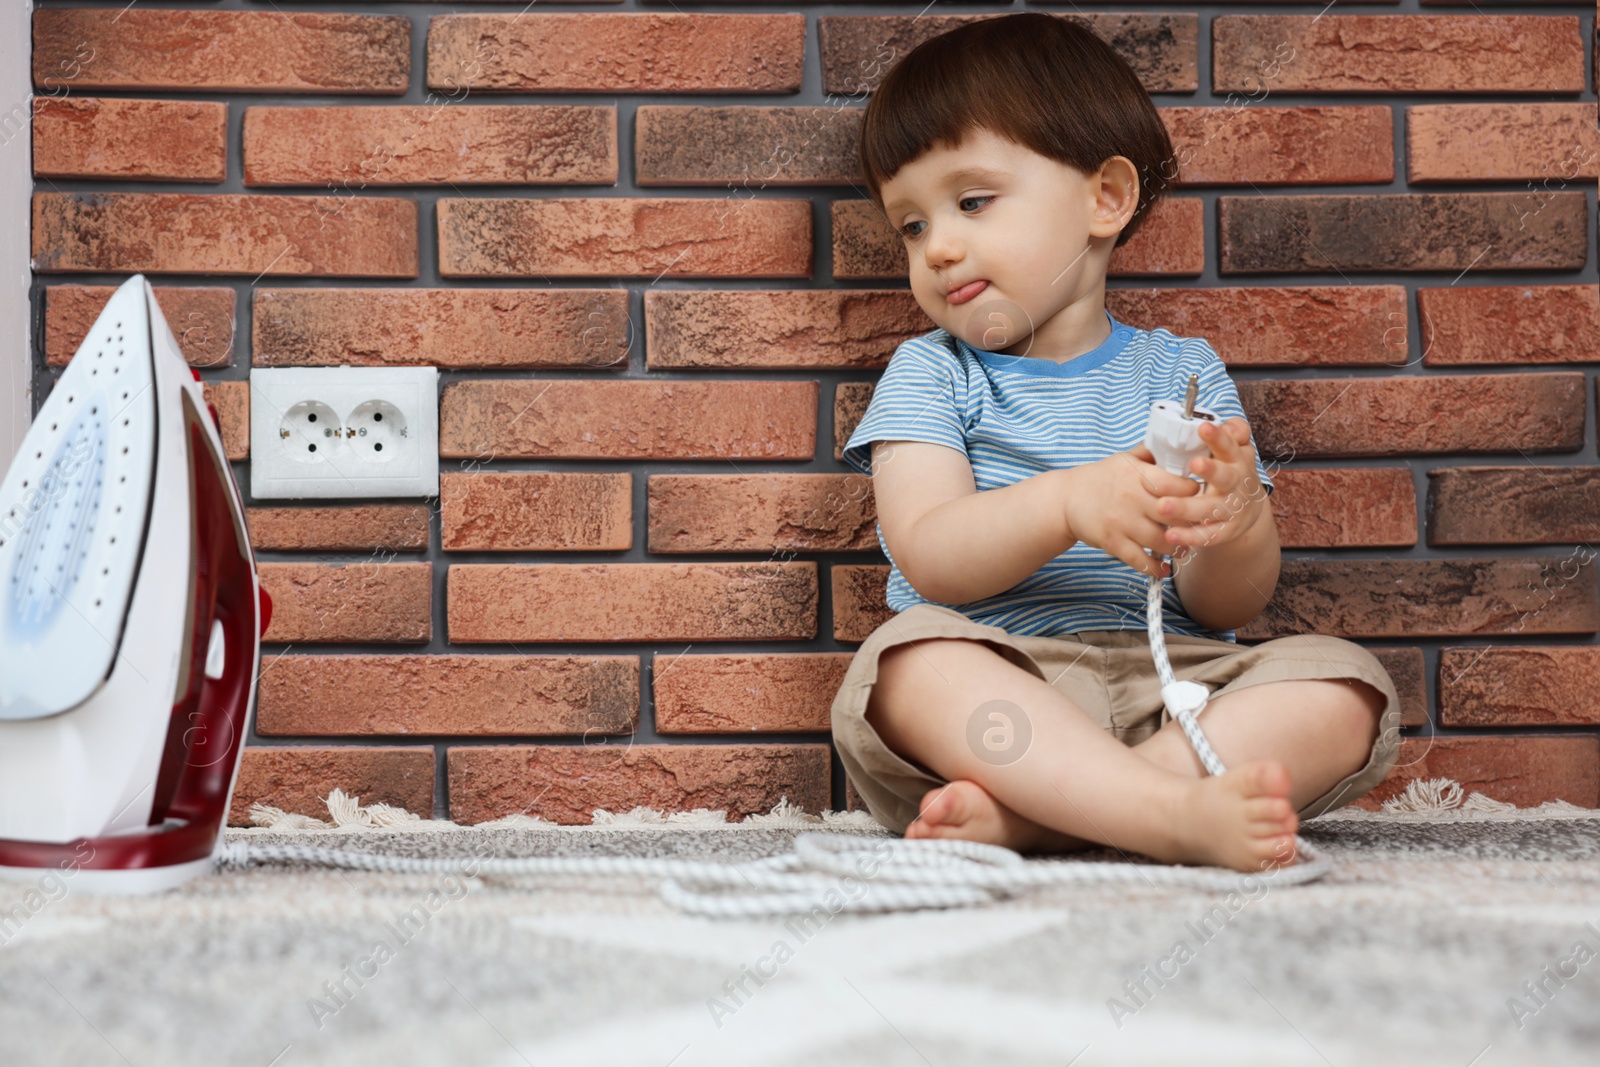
[1111,675]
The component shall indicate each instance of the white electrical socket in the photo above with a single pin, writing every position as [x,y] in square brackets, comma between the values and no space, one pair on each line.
[344,432]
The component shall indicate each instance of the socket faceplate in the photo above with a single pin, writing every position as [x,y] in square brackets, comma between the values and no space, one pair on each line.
[318,432]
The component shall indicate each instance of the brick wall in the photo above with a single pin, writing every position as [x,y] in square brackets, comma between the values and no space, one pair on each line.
[633,239]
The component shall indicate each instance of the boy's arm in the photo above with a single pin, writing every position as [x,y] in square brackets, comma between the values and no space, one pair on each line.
[1225,586]
[953,543]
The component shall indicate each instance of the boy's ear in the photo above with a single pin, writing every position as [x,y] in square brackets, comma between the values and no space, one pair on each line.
[1116,188]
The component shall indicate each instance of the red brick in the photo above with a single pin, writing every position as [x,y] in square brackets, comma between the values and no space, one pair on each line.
[252,51]
[232,401]
[664,419]
[157,140]
[340,527]
[761,513]
[1354,507]
[375,602]
[857,50]
[751,147]
[447,328]
[632,602]
[1344,144]
[1525,771]
[1483,53]
[850,400]
[537,511]
[449,695]
[1553,143]
[366,237]
[1170,241]
[604,237]
[1391,416]
[1411,598]
[201,319]
[738,693]
[1547,685]
[1278,326]
[1518,505]
[1509,324]
[853,800]
[617,53]
[299,779]
[1406,670]
[766,601]
[859,606]
[565,783]
[854,329]
[1403,232]
[356,147]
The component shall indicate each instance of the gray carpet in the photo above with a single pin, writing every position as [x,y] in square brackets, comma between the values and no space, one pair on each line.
[1409,952]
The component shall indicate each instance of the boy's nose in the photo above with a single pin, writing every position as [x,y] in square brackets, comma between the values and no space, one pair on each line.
[942,250]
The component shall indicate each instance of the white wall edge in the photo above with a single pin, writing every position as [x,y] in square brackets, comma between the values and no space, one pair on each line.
[16,185]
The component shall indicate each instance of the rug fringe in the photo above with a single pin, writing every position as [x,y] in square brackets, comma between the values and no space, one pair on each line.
[1430,798]
[1426,795]
[347,813]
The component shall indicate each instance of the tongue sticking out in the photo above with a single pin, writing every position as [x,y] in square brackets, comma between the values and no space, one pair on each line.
[968,291]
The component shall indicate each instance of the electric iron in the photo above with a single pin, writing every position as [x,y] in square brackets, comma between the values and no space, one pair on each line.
[130,619]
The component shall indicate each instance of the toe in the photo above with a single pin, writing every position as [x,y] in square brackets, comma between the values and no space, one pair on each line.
[1268,778]
[936,804]
[1273,826]
[1282,851]
[1268,831]
[1278,848]
[1263,809]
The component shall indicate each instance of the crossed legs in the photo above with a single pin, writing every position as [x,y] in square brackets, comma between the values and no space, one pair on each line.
[1285,744]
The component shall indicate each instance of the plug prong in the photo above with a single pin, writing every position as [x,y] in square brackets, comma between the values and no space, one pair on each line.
[1189,396]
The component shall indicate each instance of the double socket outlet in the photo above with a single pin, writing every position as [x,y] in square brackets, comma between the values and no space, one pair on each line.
[344,432]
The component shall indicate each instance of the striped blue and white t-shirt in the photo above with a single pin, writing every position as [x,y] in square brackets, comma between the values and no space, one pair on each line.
[1017,416]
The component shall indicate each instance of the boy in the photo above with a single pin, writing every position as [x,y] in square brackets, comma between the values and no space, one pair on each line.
[1013,700]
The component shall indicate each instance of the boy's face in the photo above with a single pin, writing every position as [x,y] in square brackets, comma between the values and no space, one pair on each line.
[1038,232]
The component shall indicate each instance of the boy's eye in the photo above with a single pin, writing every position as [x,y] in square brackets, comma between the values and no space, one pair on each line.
[904,231]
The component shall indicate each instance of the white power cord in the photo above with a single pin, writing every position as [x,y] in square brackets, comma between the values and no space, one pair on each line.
[1173,438]
[833,872]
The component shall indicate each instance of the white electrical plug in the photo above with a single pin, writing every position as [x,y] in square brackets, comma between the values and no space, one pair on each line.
[1173,433]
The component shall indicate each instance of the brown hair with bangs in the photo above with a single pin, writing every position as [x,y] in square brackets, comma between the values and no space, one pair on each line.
[1047,82]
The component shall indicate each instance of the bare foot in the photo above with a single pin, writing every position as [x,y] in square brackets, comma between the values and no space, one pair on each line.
[964,810]
[1242,819]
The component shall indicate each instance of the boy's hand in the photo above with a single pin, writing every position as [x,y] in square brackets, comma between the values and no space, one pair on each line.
[1233,498]
[1113,504]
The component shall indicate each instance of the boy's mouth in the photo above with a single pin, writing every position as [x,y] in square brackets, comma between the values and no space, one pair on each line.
[967,292]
